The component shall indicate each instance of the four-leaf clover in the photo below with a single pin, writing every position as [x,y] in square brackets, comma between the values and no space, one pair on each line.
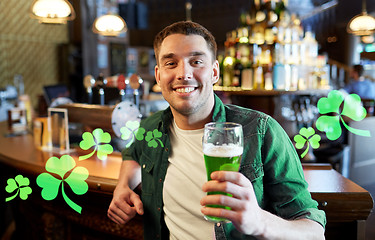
[307,135]
[50,183]
[21,184]
[98,139]
[352,108]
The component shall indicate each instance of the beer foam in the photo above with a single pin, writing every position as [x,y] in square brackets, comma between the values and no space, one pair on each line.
[226,150]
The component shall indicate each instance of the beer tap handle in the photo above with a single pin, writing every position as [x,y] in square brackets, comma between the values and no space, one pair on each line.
[121,85]
[134,81]
[100,83]
[88,83]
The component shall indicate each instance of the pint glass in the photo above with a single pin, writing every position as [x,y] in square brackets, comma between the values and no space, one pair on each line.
[222,149]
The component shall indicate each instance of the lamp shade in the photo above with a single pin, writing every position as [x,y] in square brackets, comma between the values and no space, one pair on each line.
[52,11]
[362,24]
[367,39]
[109,25]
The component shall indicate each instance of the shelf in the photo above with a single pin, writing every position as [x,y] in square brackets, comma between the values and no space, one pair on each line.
[240,91]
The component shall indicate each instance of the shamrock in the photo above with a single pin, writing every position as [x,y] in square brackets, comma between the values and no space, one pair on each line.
[59,168]
[352,108]
[100,140]
[21,184]
[131,131]
[152,138]
[307,135]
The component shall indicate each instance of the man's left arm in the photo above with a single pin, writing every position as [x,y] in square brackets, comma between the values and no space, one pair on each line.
[293,214]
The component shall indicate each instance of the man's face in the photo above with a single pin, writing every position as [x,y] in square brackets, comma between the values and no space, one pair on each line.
[186,73]
[353,74]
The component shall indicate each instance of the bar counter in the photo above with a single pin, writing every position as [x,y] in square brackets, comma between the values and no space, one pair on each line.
[346,204]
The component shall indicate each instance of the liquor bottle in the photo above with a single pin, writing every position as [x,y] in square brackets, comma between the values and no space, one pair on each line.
[237,71]
[228,64]
[294,76]
[258,70]
[278,73]
[247,82]
[311,48]
[267,70]
[228,61]
[258,78]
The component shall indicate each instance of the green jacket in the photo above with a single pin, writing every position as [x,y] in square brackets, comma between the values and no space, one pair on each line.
[269,160]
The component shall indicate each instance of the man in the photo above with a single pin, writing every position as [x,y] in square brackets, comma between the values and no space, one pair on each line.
[270,198]
[359,85]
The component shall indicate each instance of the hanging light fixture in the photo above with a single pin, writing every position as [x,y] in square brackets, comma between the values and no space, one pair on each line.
[52,11]
[362,24]
[368,39]
[109,25]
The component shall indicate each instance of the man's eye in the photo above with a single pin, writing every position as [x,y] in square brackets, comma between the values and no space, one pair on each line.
[197,62]
[170,64]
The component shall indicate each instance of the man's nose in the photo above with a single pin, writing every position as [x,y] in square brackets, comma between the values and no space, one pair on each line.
[184,72]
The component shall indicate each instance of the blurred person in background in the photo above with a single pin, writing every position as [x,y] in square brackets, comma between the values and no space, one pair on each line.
[359,84]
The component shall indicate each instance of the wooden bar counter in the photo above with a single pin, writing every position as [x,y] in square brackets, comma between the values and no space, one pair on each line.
[346,204]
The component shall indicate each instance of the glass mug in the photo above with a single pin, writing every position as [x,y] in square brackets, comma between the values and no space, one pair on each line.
[222,149]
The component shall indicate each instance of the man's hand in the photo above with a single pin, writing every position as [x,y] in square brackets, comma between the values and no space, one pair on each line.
[125,205]
[245,213]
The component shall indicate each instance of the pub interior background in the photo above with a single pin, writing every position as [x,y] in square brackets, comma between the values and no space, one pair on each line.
[62,55]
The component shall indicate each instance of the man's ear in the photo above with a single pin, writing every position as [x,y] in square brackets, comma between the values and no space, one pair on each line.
[215,72]
[157,74]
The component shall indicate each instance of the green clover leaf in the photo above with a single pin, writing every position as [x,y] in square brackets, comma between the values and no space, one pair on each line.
[152,138]
[330,125]
[140,134]
[98,139]
[21,184]
[331,104]
[300,141]
[60,167]
[129,131]
[307,135]
[353,108]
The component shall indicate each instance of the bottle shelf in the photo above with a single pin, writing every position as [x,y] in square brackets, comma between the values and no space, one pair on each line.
[259,92]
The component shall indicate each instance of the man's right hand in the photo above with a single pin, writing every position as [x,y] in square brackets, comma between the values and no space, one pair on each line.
[125,205]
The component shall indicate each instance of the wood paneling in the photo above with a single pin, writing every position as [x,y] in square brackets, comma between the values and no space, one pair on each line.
[28,48]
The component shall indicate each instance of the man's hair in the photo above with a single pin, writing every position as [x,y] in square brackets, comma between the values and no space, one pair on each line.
[186,28]
[358,69]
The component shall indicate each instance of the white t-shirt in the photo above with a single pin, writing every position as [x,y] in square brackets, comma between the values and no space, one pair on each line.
[182,189]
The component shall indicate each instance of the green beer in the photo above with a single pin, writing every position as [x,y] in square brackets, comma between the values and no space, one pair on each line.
[221,158]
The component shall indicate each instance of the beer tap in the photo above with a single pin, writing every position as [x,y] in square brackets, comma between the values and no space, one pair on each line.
[135,83]
[121,85]
[100,83]
[88,83]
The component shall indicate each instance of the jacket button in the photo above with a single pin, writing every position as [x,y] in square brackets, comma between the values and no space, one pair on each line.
[159,209]
[166,149]
[144,166]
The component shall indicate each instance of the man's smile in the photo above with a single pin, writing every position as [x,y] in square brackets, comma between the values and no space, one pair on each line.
[184,89]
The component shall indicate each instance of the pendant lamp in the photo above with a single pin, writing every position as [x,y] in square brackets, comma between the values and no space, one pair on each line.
[362,24]
[109,25]
[52,11]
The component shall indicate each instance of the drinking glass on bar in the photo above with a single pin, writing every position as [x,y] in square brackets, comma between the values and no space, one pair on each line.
[222,149]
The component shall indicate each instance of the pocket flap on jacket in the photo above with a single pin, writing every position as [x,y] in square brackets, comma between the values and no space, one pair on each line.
[147,163]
